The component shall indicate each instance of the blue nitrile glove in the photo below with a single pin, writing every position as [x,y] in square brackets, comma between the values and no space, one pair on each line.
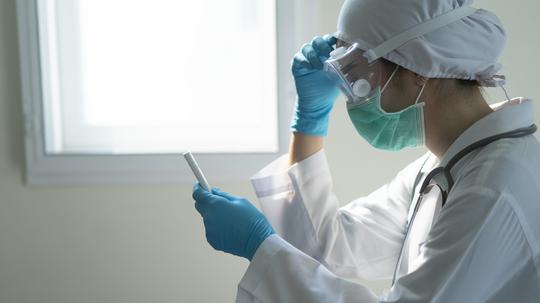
[232,223]
[316,93]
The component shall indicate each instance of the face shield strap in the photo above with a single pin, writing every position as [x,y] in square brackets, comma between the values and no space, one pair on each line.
[417,31]
[390,79]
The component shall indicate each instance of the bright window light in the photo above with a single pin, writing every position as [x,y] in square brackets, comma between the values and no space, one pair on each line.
[159,76]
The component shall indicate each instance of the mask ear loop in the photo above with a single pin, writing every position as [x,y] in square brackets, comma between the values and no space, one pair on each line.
[390,79]
[421,124]
[420,93]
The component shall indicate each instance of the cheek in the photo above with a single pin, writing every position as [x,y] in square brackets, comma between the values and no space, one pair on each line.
[395,99]
[400,93]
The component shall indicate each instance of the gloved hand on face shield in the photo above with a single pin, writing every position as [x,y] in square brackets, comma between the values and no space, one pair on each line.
[233,225]
[316,92]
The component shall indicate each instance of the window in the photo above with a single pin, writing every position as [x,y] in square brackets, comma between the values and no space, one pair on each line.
[115,90]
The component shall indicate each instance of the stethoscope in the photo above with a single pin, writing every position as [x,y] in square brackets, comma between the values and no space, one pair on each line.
[445,171]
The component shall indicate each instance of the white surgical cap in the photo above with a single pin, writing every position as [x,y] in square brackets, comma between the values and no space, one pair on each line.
[433,38]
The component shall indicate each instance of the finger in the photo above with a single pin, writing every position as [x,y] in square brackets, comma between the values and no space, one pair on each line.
[197,186]
[300,62]
[311,55]
[331,40]
[225,195]
[200,207]
[322,47]
[200,194]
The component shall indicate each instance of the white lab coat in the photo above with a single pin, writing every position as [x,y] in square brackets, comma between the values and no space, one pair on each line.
[484,246]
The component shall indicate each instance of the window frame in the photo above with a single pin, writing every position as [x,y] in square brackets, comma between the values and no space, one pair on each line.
[296,21]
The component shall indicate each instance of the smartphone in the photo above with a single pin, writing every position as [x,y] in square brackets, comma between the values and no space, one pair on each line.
[197,171]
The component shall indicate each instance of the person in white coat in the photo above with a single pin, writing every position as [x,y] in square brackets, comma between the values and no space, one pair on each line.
[460,224]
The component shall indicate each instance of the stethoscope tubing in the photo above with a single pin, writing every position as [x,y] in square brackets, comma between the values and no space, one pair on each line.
[445,171]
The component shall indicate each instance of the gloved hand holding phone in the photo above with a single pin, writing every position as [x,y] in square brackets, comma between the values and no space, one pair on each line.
[233,225]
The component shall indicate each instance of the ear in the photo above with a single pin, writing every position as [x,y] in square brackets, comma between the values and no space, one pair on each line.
[420,80]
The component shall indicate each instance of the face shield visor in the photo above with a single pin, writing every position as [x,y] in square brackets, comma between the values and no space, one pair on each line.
[357,78]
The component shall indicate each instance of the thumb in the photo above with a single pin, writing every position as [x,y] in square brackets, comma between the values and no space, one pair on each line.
[330,39]
[217,191]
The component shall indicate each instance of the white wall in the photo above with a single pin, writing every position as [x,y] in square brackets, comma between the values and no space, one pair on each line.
[146,243]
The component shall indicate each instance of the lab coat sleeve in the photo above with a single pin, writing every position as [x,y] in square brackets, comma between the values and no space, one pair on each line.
[281,273]
[476,252]
[360,240]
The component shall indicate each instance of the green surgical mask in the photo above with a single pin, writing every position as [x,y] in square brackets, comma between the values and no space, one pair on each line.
[388,131]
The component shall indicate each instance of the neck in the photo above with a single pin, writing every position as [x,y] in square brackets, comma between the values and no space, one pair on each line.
[447,119]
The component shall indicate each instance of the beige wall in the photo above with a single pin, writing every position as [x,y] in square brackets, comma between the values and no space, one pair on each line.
[146,243]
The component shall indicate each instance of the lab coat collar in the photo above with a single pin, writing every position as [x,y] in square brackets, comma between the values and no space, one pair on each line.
[507,116]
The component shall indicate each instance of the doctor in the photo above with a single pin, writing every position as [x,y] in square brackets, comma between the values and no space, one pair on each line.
[460,224]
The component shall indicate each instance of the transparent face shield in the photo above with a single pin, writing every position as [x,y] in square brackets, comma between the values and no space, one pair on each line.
[359,80]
